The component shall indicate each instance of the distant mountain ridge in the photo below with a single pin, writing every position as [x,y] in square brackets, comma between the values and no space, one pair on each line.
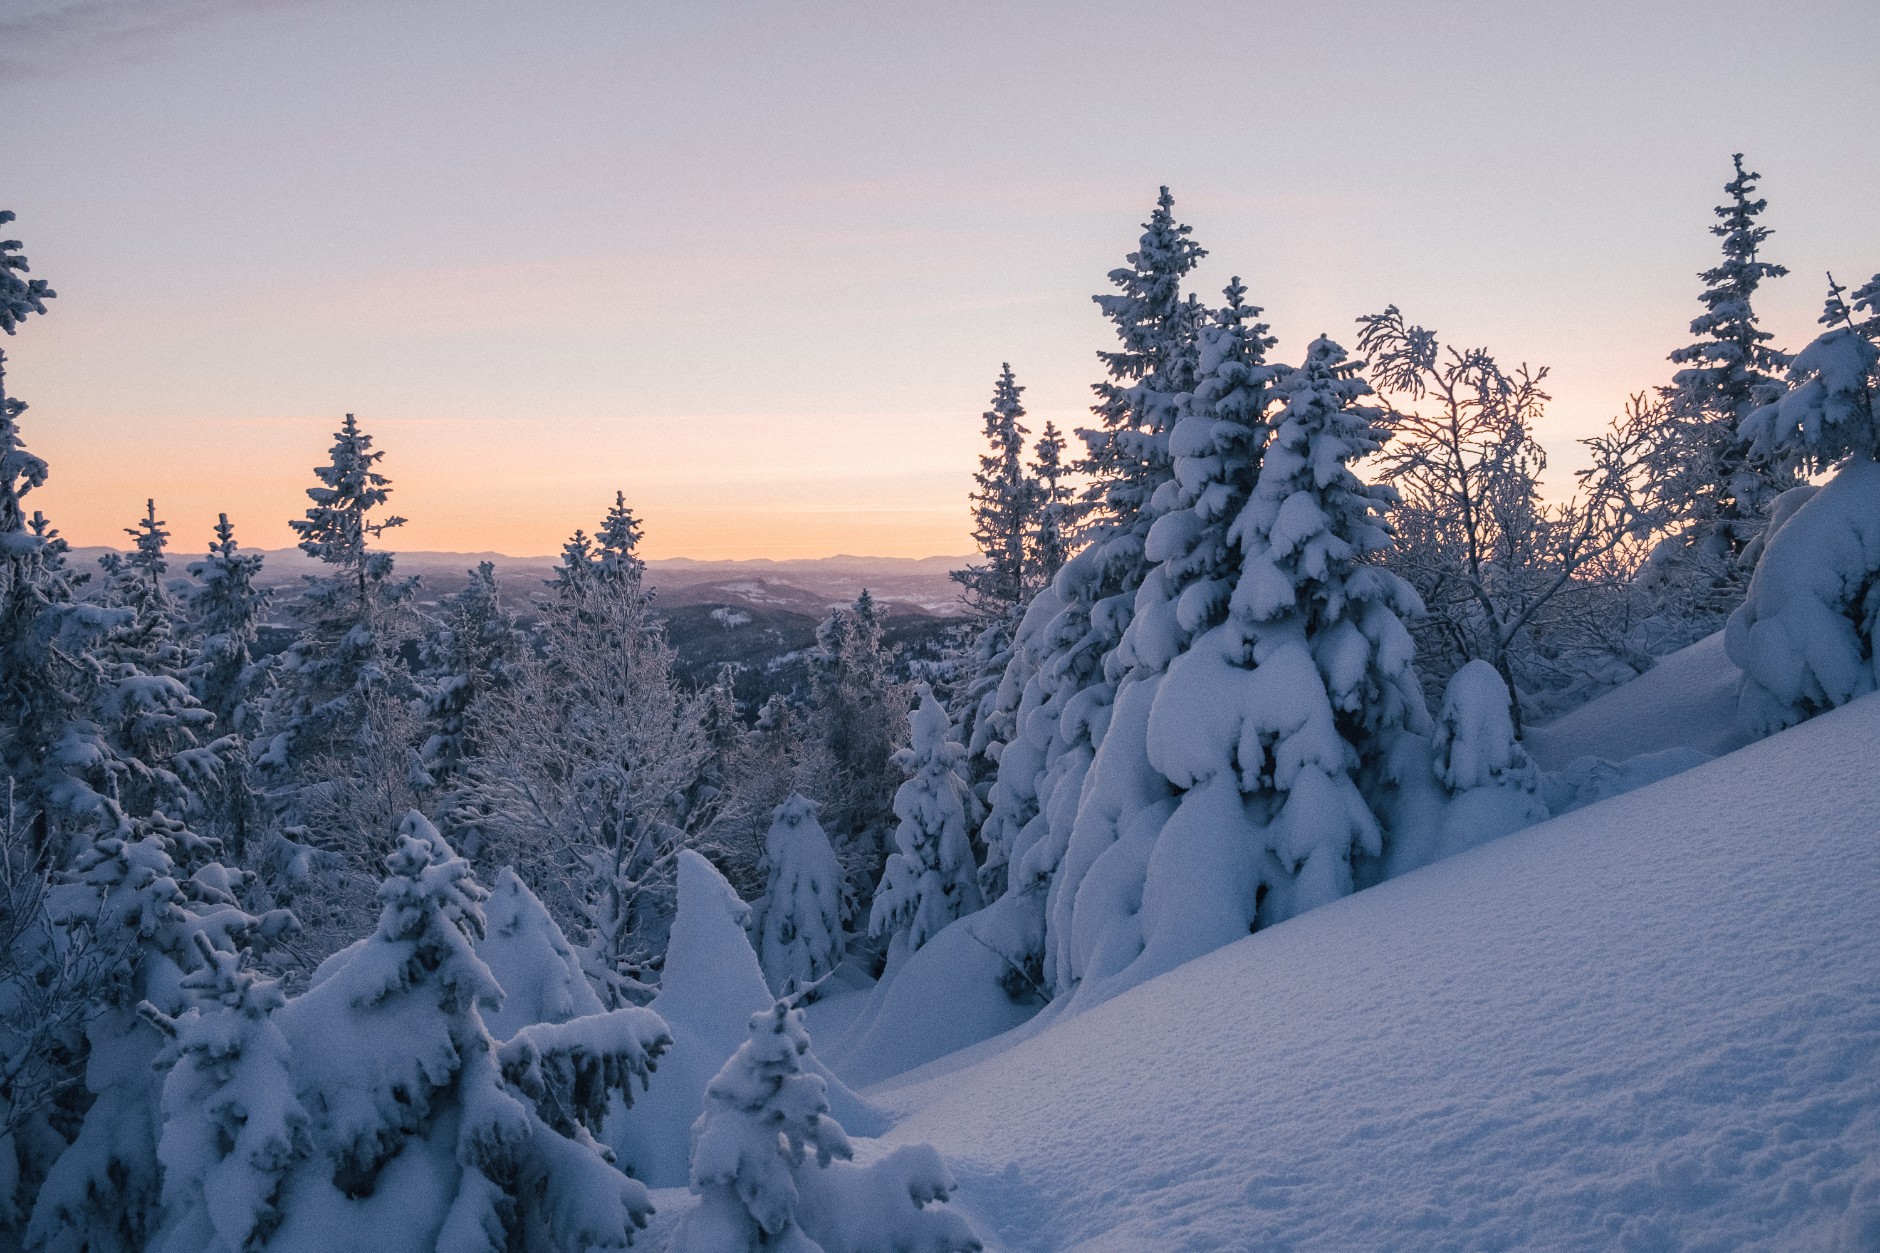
[808,585]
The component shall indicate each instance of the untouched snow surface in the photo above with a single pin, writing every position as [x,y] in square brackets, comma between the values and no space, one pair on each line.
[1687,700]
[1650,1024]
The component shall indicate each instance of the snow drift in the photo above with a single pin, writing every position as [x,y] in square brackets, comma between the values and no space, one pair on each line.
[1652,1023]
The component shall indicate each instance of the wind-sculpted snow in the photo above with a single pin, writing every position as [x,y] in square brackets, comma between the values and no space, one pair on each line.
[1686,700]
[1651,1024]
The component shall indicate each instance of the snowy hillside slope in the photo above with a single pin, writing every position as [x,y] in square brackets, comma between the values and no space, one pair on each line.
[1687,700]
[1650,1024]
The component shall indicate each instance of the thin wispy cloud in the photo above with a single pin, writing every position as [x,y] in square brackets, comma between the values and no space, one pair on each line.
[38,36]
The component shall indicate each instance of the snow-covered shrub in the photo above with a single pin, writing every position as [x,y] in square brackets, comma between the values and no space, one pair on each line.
[1476,781]
[764,1118]
[800,925]
[765,1156]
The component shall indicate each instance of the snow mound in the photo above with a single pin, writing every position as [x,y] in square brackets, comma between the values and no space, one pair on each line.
[539,973]
[1688,700]
[711,986]
[948,996]
[1652,1023]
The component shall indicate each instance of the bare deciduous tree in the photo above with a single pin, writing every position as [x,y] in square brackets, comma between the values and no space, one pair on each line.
[1493,561]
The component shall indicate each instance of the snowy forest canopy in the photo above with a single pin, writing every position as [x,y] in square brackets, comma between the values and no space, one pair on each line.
[460,927]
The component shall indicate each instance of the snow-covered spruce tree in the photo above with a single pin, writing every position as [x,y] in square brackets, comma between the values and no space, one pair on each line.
[1062,704]
[799,923]
[769,1166]
[989,709]
[1138,405]
[232,1124]
[1004,504]
[584,790]
[472,646]
[424,1133]
[1054,522]
[154,896]
[339,751]
[1216,448]
[350,616]
[1272,726]
[85,867]
[1476,750]
[95,727]
[162,733]
[136,578]
[853,723]
[226,609]
[931,878]
[1805,634]
[1702,467]
[54,756]
[20,471]
[765,1121]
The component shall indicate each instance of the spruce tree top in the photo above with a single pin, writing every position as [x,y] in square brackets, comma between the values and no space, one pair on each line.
[1128,456]
[20,471]
[1215,451]
[226,600]
[148,540]
[607,560]
[616,541]
[18,296]
[335,529]
[1310,523]
[1827,415]
[1732,359]
[1148,307]
[1003,501]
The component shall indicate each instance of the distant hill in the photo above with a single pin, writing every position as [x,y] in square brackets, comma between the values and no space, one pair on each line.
[811,586]
[759,616]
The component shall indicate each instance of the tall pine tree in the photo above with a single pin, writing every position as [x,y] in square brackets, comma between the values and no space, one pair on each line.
[346,659]
[1054,524]
[1703,464]
[1004,501]
[1061,683]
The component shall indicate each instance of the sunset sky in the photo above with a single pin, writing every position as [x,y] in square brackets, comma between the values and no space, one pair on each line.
[757,264]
